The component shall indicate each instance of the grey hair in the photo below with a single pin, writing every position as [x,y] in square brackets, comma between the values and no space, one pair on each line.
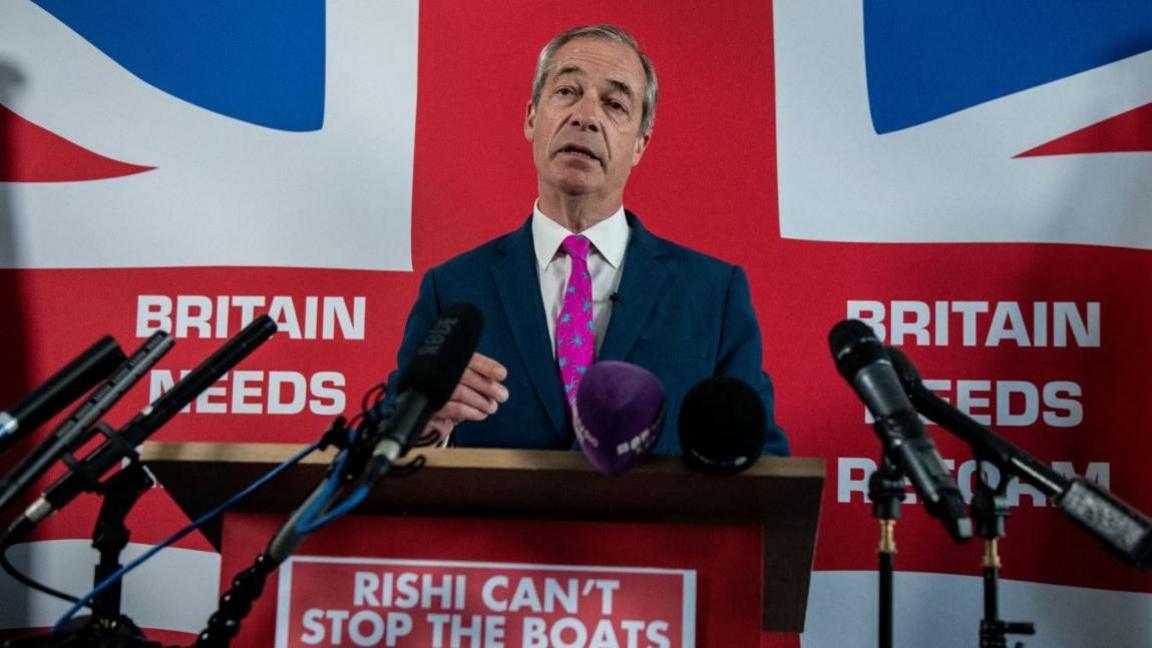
[606,32]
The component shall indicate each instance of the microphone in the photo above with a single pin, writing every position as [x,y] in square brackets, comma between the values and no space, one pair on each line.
[426,384]
[864,363]
[123,443]
[65,386]
[618,414]
[615,298]
[1124,531]
[723,426]
[79,426]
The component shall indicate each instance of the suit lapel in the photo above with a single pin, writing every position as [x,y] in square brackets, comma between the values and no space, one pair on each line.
[644,276]
[518,285]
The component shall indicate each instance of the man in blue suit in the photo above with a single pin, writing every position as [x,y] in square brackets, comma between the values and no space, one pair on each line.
[680,314]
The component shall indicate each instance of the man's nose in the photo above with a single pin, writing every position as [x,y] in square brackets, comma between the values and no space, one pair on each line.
[584,116]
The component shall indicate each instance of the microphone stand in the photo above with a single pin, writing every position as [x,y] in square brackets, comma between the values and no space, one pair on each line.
[989,511]
[886,490]
[107,626]
[247,586]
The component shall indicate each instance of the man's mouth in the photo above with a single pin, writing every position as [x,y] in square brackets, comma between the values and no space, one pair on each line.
[575,149]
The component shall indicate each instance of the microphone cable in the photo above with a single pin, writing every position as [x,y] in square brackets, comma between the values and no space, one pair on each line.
[24,579]
[314,516]
[85,600]
[316,512]
[321,511]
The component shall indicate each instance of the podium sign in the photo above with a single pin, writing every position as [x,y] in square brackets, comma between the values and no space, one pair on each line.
[671,585]
[381,602]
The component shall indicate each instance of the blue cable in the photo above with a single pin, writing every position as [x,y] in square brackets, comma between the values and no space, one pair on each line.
[345,507]
[120,573]
[312,518]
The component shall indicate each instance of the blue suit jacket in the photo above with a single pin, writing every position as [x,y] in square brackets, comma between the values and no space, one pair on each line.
[682,315]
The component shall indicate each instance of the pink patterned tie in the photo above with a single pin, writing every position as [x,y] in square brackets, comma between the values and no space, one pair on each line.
[575,335]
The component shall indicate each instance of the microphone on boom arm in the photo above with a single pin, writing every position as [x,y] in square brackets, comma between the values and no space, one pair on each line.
[65,386]
[81,424]
[122,443]
[425,385]
[1124,531]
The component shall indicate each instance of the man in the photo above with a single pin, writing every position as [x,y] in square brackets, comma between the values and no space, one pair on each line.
[583,280]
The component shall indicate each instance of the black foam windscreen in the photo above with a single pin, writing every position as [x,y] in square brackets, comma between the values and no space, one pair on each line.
[443,354]
[854,346]
[723,426]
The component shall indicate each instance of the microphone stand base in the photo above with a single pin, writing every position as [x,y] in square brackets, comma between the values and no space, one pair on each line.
[89,632]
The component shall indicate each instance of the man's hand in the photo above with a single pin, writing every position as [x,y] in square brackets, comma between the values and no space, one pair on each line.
[477,395]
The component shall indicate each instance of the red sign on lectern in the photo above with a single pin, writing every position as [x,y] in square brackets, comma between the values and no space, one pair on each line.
[334,601]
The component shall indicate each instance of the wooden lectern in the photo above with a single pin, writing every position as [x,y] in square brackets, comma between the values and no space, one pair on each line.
[779,496]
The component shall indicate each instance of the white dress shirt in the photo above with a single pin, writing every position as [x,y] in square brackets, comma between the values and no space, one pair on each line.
[609,240]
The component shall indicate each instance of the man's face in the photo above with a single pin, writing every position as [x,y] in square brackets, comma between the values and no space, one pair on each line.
[585,132]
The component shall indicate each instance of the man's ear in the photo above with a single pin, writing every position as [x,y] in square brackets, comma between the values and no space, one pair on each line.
[641,146]
[529,121]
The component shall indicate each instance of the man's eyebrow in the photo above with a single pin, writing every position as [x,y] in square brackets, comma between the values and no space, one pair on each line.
[624,88]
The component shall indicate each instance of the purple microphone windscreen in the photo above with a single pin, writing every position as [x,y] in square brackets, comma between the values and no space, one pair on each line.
[618,415]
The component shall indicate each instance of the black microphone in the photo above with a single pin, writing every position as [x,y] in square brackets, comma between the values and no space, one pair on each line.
[1124,531]
[864,363]
[723,426]
[79,426]
[425,385]
[123,443]
[65,386]
[615,298]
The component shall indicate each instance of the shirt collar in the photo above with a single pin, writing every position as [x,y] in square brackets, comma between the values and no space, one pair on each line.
[609,237]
